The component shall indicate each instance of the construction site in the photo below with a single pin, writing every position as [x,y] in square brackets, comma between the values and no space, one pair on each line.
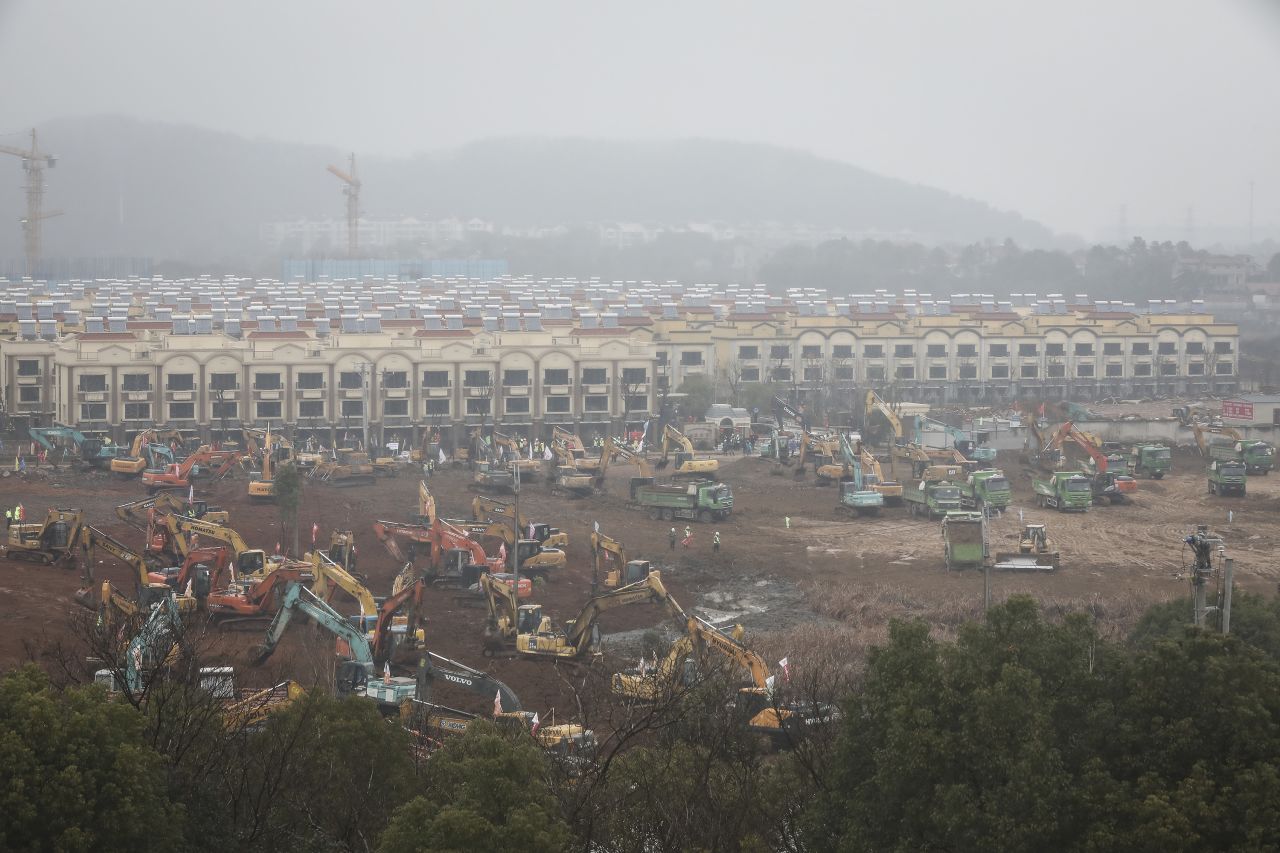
[810,542]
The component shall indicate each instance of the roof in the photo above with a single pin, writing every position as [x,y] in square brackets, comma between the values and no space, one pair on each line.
[106,336]
[279,336]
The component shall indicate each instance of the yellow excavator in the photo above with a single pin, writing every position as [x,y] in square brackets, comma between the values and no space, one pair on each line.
[329,576]
[246,560]
[262,485]
[534,635]
[573,449]
[704,642]
[529,468]
[900,447]
[151,588]
[686,464]
[493,510]
[614,452]
[53,540]
[873,477]
[146,451]
[609,555]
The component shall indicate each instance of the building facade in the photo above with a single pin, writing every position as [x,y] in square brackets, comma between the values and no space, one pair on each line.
[391,360]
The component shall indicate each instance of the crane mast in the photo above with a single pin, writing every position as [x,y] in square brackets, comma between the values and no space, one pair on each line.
[34,162]
[352,192]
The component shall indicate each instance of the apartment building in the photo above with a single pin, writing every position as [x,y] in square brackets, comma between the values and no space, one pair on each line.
[334,359]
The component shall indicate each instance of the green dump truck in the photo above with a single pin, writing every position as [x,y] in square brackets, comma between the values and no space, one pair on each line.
[964,543]
[1227,477]
[1150,460]
[1065,491]
[933,500]
[702,500]
[986,488]
[1259,457]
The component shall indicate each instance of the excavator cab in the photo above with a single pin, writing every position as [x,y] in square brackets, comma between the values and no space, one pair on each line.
[251,562]
[351,677]
[633,572]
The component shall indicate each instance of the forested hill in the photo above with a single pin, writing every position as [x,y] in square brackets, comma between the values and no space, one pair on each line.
[188,193]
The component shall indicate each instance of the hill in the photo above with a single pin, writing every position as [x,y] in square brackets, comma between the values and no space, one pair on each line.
[187,193]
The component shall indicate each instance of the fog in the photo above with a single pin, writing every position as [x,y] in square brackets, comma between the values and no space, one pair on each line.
[1062,112]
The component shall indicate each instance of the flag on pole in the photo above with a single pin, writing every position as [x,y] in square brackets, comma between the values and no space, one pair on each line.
[315,531]
[531,536]
[595,525]
[546,454]
[536,724]
[442,456]
[768,685]
[502,552]
[786,670]
[497,703]
[386,671]
[191,493]
[277,547]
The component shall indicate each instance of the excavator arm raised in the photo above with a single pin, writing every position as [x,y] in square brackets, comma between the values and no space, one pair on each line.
[299,599]
[463,676]
[651,589]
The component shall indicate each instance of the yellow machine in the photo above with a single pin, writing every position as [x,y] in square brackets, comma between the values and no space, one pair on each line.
[873,477]
[246,560]
[581,634]
[54,540]
[345,467]
[902,449]
[612,452]
[151,588]
[674,670]
[686,464]
[329,575]
[137,461]
[491,509]
[262,486]
[572,482]
[530,469]
[574,449]
[610,561]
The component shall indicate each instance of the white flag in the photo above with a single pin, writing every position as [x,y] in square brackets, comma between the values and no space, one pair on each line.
[386,671]
[531,536]
[191,494]
[786,670]
[536,723]
[497,703]
[768,685]
[442,457]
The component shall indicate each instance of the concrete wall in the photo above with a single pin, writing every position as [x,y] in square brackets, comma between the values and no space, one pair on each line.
[1165,431]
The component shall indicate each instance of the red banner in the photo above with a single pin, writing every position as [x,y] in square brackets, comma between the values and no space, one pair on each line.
[1237,410]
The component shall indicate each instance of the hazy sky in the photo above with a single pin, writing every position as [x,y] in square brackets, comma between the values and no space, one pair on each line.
[1062,111]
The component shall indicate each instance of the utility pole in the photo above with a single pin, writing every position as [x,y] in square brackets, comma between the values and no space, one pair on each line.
[1227,578]
[515,548]
[1202,549]
[34,162]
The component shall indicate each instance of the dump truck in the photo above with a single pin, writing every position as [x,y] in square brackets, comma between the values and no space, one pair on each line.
[1150,460]
[1064,491]
[1227,477]
[986,488]
[702,500]
[1035,552]
[937,492]
[964,540]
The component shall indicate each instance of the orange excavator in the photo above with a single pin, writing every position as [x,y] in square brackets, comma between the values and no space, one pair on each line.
[453,557]
[255,599]
[1114,488]
[178,475]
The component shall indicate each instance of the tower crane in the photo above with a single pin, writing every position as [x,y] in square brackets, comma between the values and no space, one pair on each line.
[352,192]
[34,162]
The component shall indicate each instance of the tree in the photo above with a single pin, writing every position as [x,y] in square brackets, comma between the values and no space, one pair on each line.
[78,774]
[286,485]
[700,394]
[486,791]
[1254,620]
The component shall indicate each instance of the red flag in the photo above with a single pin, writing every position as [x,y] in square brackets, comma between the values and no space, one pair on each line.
[786,670]
[315,531]
[536,723]
[502,552]
[277,547]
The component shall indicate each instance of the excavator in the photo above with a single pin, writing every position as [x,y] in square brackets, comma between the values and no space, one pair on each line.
[1114,488]
[614,452]
[573,449]
[92,451]
[1258,456]
[702,640]
[534,558]
[535,636]
[53,540]
[873,477]
[822,451]
[783,410]
[152,585]
[390,631]
[252,599]
[608,553]
[529,468]
[453,556]
[180,474]
[900,448]
[245,561]
[330,577]
[353,673]
[686,464]
[344,467]
[857,496]
[493,510]
[276,450]
[569,481]
[140,513]
[565,741]
[146,451]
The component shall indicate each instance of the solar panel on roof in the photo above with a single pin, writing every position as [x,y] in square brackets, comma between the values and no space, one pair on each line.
[94,325]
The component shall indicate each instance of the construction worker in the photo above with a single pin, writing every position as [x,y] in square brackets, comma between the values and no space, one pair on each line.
[672,538]
[8,518]
[688,537]
[715,543]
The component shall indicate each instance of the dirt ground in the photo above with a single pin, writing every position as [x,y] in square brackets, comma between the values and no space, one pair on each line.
[786,564]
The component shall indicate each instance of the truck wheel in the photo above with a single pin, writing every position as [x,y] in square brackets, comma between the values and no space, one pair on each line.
[705,516]
[1159,475]
[655,514]
[668,514]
